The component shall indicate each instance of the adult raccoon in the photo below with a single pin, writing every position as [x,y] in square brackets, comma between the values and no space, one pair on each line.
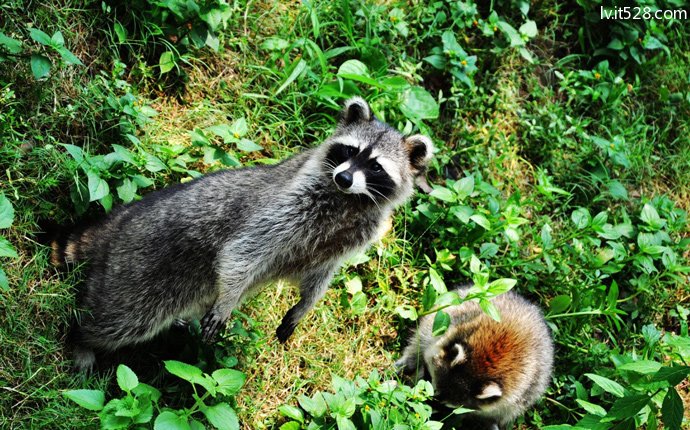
[196,250]
[499,369]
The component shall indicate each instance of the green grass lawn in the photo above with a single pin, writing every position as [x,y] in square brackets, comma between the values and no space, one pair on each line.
[563,163]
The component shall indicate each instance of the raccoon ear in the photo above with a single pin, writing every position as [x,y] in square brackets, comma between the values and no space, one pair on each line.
[460,355]
[356,109]
[420,149]
[492,389]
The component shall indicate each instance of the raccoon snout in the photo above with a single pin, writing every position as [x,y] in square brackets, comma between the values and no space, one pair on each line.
[344,179]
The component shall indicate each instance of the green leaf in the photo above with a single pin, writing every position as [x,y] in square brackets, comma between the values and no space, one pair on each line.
[315,406]
[275,44]
[509,31]
[57,40]
[529,29]
[500,286]
[222,417]
[490,309]
[628,406]
[442,193]
[290,425]
[559,304]
[437,281]
[92,400]
[168,420]
[6,249]
[441,323]
[358,303]
[481,220]
[98,188]
[464,187]
[120,32]
[6,212]
[297,70]
[153,163]
[418,104]
[229,381]
[591,408]
[183,370]
[651,217]
[607,385]
[353,68]
[13,46]
[292,412]
[581,218]
[69,57]
[672,410]
[40,66]
[645,367]
[407,312]
[4,283]
[673,375]
[39,36]
[126,379]
[166,62]
[247,145]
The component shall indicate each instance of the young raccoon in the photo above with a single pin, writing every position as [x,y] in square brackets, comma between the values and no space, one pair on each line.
[499,369]
[196,250]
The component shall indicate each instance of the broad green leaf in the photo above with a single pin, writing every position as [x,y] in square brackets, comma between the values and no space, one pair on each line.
[407,312]
[315,406]
[644,367]
[607,385]
[120,32]
[673,375]
[429,297]
[6,212]
[581,218]
[672,410]
[441,323]
[591,408]
[275,44]
[509,31]
[69,57]
[529,29]
[437,281]
[222,417]
[500,286]
[490,309]
[13,46]
[358,303]
[442,193]
[166,62]
[464,187]
[353,68]
[559,304]
[229,381]
[40,66]
[292,412]
[418,104]
[6,248]
[628,406]
[153,163]
[98,188]
[4,283]
[651,217]
[247,145]
[481,220]
[39,36]
[183,370]
[168,420]
[57,40]
[126,379]
[92,400]
[290,425]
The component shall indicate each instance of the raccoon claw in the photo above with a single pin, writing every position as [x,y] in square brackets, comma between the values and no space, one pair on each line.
[284,331]
[210,326]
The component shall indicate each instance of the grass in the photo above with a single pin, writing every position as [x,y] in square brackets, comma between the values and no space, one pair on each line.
[523,129]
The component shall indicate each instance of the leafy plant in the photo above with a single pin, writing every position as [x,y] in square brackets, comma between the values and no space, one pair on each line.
[363,403]
[141,401]
[6,248]
[40,58]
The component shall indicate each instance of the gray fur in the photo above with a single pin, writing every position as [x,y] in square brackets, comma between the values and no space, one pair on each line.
[197,250]
[518,378]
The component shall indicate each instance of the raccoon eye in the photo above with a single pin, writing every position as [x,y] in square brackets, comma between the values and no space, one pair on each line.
[376,167]
[350,151]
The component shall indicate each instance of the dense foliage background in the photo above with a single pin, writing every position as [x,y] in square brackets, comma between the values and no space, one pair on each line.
[563,163]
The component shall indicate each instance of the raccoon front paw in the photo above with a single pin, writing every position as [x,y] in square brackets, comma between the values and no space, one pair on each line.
[211,323]
[284,331]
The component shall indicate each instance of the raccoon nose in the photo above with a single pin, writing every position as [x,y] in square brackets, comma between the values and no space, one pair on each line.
[344,179]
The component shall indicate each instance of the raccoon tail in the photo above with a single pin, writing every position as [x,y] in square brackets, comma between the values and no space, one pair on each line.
[67,245]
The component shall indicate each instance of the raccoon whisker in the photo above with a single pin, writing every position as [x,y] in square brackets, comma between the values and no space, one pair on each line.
[381,195]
